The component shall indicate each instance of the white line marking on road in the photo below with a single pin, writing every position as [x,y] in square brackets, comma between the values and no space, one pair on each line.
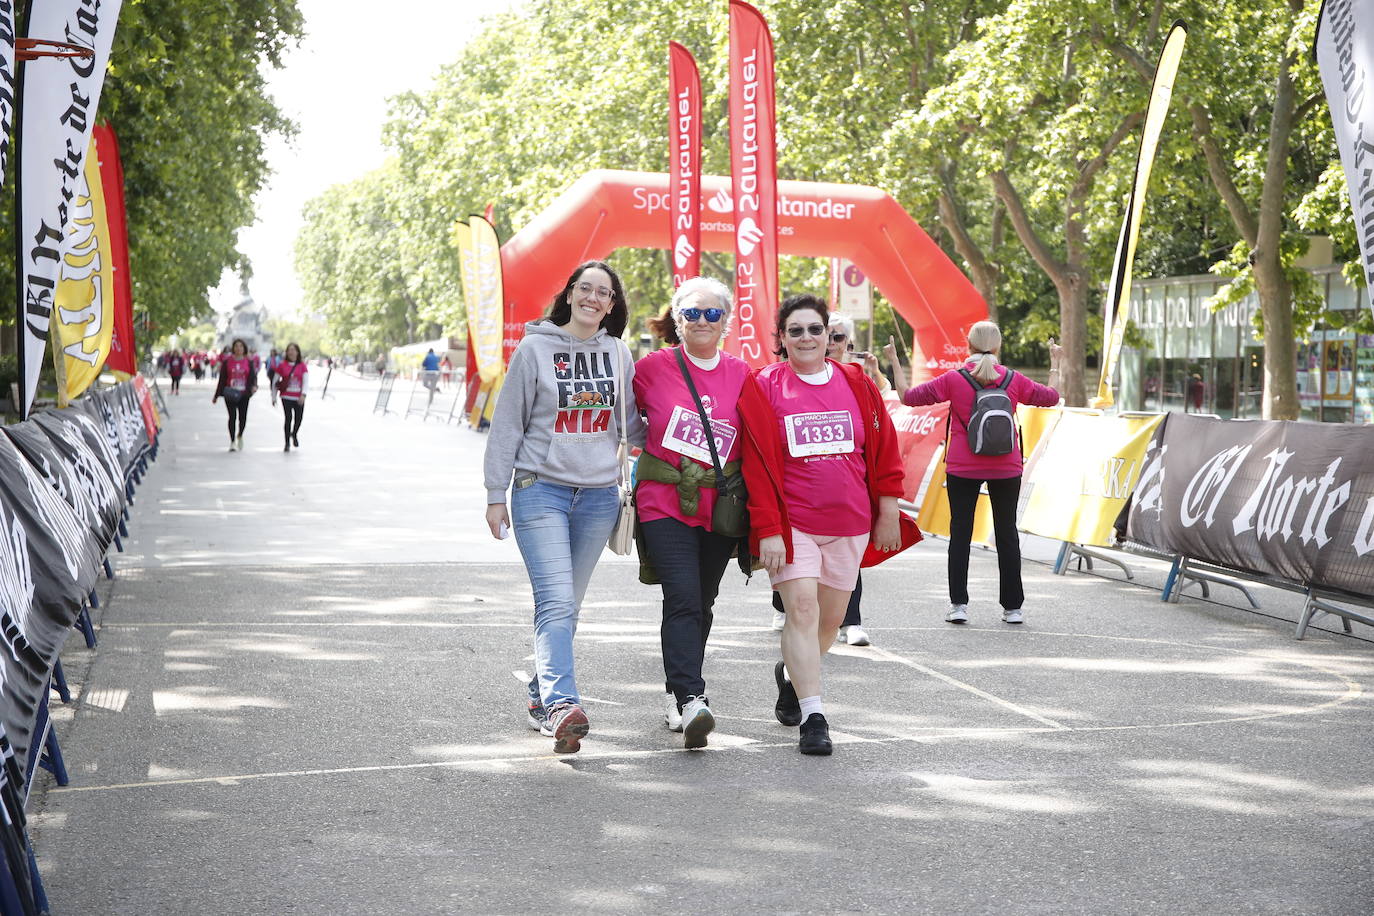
[233,781]
[1005,704]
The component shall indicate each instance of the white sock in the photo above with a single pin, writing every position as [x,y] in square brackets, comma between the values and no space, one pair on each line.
[810,705]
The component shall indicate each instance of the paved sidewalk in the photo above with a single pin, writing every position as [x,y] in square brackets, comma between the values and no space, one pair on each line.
[306,700]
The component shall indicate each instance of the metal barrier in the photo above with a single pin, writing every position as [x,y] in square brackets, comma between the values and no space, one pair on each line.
[429,399]
[384,393]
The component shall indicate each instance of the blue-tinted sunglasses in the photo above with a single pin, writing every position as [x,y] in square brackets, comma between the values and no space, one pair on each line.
[712,315]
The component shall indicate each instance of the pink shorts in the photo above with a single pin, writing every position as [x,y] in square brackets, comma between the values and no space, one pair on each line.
[832,560]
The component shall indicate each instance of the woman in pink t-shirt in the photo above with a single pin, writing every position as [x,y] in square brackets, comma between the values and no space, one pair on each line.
[967,472]
[823,482]
[238,379]
[676,491]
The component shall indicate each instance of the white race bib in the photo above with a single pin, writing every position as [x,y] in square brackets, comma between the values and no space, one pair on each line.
[829,432]
[684,435]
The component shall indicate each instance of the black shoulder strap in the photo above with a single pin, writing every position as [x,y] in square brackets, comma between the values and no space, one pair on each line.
[1006,380]
[968,377]
[705,420]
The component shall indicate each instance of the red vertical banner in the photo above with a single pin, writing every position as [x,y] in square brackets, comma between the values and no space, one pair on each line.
[754,184]
[684,162]
[122,356]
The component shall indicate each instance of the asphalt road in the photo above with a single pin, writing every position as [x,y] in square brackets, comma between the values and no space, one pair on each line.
[306,699]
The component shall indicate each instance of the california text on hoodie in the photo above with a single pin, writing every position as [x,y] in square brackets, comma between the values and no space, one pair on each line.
[557,416]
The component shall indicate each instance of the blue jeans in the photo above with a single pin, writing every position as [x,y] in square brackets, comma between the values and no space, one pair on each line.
[561,532]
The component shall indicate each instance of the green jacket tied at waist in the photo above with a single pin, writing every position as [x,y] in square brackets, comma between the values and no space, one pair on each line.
[689,479]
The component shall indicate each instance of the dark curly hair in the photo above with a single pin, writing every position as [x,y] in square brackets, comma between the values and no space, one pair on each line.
[560,311]
[796,304]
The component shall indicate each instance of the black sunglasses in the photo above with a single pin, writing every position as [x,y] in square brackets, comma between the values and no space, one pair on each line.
[796,330]
[838,336]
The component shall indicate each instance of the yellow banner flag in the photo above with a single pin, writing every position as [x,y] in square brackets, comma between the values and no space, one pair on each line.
[1085,474]
[1034,423]
[479,257]
[83,313]
[1118,304]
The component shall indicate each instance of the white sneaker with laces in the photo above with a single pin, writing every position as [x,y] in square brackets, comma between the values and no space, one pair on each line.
[1013,616]
[854,636]
[779,620]
[957,614]
[697,722]
[672,717]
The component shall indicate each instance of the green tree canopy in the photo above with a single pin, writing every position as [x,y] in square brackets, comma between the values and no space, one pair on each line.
[1007,127]
[185,92]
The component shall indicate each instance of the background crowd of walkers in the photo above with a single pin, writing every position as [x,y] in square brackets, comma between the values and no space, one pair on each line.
[792,469]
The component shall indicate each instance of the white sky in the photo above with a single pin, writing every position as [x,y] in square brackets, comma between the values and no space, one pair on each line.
[335,86]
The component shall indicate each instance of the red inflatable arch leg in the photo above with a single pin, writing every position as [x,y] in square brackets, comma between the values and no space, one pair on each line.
[605,210]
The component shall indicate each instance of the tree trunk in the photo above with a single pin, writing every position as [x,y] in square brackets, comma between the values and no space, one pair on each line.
[1280,350]
[982,272]
[1272,286]
[1073,337]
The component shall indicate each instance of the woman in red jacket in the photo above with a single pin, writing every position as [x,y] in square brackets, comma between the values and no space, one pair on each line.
[824,475]
[967,472]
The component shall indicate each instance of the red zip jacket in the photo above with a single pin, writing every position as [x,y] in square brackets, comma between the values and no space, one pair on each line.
[763,455]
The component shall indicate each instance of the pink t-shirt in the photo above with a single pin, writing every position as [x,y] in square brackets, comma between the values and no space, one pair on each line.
[953,387]
[675,426]
[823,438]
[238,370]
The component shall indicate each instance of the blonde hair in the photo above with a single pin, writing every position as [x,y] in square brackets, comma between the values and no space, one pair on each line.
[983,340]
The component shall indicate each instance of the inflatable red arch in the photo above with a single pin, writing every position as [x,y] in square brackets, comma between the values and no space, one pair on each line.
[605,210]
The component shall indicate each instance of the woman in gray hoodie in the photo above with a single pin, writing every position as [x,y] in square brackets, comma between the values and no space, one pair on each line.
[556,431]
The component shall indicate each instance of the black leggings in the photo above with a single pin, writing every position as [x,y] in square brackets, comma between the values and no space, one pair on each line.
[176,384]
[238,409]
[292,408]
[963,502]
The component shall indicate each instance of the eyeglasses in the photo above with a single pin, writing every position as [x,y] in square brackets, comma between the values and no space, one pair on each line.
[711,315]
[837,337]
[815,330]
[600,292]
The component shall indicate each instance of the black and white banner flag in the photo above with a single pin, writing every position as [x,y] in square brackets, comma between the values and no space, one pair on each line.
[66,462]
[1345,57]
[48,565]
[7,65]
[1276,498]
[58,101]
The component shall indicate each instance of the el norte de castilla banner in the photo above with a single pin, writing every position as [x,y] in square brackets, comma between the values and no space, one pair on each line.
[1345,57]
[58,101]
[1284,499]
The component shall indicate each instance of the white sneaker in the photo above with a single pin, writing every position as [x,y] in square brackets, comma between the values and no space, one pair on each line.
[698,722]
[239,442]
[854,636]
[957,614]
[779,620]
[672,717]
[1012,616]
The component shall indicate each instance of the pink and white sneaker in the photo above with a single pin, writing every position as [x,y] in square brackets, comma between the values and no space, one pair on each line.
[568,725]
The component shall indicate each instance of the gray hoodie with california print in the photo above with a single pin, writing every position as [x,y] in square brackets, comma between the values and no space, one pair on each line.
[557,416]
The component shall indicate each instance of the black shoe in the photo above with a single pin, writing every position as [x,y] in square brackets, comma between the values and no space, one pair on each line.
[294,441]
[288,446]
[788,708]
[815,736]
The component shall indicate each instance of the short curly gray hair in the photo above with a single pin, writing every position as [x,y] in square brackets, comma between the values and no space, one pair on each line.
[702,285]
